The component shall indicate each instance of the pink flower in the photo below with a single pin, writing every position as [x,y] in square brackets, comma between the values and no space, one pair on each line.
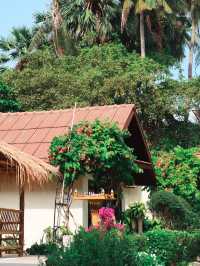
[120,227]
[106,213]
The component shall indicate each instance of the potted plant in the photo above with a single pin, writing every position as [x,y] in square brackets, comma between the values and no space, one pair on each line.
[134,216]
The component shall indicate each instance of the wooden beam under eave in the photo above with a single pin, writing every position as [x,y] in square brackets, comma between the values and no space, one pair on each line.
[144,165]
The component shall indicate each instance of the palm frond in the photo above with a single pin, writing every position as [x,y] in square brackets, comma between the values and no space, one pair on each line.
[127,6]
[141,5]
[165,6]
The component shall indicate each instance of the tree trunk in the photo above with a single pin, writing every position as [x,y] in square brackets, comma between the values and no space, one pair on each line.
[56,23]
[192,43]
[142,35]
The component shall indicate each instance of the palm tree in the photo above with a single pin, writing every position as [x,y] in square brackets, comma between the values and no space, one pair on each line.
[51,29]
[16,46]
[194,9]
[89,17]
[140,7]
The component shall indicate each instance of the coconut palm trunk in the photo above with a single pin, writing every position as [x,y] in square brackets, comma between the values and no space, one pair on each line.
[142,35]
[57,22]
[192,42]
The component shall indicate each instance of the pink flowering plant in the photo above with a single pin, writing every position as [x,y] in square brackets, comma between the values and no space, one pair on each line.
[107,221]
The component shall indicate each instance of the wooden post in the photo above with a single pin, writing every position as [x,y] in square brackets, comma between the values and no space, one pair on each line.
[1,225]
[21,235]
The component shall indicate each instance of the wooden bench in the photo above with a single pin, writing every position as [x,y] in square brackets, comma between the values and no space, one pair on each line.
[11,231]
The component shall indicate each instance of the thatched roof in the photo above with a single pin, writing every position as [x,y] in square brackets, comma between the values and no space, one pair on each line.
[27,168]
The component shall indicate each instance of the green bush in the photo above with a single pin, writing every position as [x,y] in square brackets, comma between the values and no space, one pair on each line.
[174,210]
[179,170]
[41,249]
[173,246]
[160,247]
[95,249]
[152,224]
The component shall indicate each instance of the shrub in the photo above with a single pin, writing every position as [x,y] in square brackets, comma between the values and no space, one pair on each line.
[174,210]
[98,148]
[179,170]
[173,246]
[160,247]
[153,224]
[41,249]
[95,249]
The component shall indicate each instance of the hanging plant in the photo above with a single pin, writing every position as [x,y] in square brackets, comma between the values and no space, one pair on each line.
[97,148]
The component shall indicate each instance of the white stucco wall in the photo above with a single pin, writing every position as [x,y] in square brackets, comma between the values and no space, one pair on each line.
[39,206]
[134,194]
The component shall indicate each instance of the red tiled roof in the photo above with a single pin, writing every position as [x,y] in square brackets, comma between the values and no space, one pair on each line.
[32,132]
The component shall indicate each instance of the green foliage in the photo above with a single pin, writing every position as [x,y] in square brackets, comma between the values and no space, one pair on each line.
[154,248]
[89,249]
[8,103]
[183,134]
[16,46]
[41,249]
[153,224]
[97,148]
[135,211]
[105,74]
[179,170]
[173,246]
[174,210]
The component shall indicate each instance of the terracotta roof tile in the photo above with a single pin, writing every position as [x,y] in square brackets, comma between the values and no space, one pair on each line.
[36,121]
[51,119]
[39,135]
[24,135]
[42,151]
[121,116]
[95,114]
[11,136]
[57,131]
[9,121]
[32,132]
[22,121]
[31,148]
[3,134]
[64,119]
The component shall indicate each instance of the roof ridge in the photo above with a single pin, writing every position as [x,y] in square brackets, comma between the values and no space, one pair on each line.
[69,109]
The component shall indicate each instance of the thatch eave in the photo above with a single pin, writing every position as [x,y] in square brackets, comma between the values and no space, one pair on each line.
[28,169]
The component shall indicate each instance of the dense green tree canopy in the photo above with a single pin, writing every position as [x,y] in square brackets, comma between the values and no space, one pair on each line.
[179,171]
[106,74]
[8,103]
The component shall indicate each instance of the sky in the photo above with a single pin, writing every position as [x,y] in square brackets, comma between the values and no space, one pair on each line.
[15,13]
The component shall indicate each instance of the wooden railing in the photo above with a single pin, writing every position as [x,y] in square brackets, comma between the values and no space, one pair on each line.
[11,231]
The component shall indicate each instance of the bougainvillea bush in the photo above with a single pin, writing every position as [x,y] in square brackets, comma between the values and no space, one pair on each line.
[97,148]
[107,221]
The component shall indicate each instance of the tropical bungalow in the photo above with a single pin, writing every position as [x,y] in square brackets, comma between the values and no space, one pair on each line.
[25,172]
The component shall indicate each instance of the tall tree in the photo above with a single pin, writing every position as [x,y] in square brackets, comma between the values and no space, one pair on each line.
[50,29]
[16,46]
[140,7]
[90,18]
[194,10]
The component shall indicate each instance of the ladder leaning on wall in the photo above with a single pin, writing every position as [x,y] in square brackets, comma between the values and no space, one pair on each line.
[62,197]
